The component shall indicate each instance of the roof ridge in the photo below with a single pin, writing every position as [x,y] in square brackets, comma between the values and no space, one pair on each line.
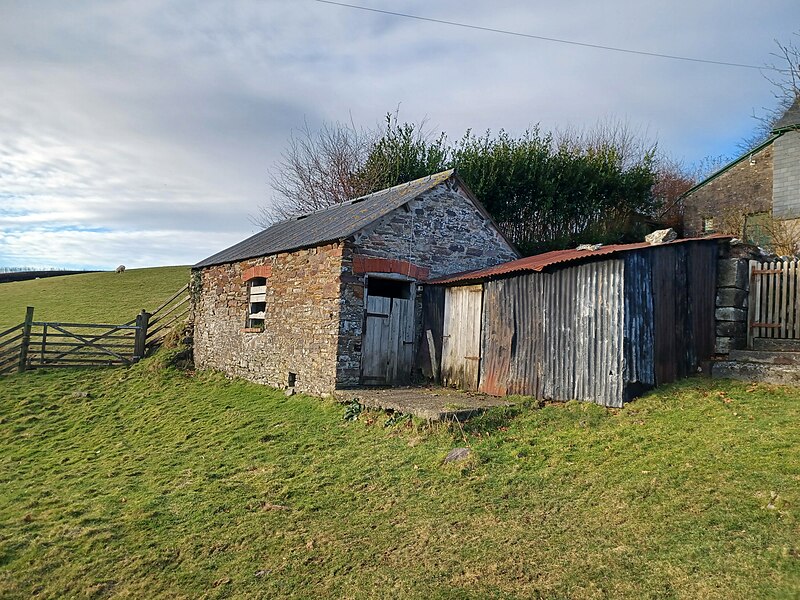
[370,195]
[332,223]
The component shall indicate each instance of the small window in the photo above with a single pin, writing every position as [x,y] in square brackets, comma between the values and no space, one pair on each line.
[757,229]
[257,302]
[708,225]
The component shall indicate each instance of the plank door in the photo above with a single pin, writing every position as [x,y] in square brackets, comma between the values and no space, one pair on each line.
[388,346]
[461,343]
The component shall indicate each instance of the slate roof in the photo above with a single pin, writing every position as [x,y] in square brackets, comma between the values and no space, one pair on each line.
[539,262]
[791,118]
[326,225]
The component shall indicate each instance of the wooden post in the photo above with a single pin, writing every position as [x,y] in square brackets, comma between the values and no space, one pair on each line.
[140,338]
[26,339]
[432,355]
[44,344]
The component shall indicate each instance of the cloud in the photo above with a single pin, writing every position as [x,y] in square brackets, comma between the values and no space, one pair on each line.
[143,131]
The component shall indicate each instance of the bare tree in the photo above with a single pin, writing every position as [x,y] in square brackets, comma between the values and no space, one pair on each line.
[785,80]
[673,180]
[340,161]
[319,168]
[633,145]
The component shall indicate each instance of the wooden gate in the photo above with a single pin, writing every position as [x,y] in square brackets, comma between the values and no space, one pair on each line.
[387,352]
[461,343]
[774,301]
[36,344]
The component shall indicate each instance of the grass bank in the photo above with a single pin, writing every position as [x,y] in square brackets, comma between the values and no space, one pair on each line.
[150,482]
[90,297]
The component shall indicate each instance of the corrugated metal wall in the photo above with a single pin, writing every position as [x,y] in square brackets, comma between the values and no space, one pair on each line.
[556,335]
[603,331]
[639,371]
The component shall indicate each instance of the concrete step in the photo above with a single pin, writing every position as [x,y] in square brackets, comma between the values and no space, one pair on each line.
[776,345]
[765,357]
[754,371]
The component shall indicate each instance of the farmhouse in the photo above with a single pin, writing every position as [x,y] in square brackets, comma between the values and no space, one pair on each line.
[330,299]
[597,325]
[746,194]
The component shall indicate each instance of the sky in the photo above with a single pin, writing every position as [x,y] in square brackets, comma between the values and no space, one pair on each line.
[144,132]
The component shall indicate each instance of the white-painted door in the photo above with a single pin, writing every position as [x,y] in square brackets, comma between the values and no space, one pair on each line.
[461,343]
[387,350]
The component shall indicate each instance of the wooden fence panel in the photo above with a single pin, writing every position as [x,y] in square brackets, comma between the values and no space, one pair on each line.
[774,300]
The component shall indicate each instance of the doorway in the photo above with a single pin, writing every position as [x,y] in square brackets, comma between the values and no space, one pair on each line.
[387,351]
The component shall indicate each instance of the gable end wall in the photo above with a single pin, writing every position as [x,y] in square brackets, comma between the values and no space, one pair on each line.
[450,235]
[743,189]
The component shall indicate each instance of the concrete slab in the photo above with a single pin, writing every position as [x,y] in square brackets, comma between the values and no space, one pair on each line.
[432,403]
[762,372]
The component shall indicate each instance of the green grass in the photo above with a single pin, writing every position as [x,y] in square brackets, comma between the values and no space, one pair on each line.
[90,297]
[163,484]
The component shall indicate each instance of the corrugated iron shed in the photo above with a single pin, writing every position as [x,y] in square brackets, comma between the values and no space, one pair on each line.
[601,326]
[540,262]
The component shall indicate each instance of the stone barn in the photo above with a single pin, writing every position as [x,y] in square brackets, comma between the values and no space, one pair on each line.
[331,299]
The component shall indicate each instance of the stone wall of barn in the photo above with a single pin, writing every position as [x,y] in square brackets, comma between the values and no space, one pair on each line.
[744,189]
[440,233]
[301,323]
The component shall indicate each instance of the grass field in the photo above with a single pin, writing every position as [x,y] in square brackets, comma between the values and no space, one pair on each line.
[90,297]
[166,484]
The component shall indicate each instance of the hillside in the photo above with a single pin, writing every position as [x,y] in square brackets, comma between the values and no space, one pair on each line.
[92,297]
[154,483]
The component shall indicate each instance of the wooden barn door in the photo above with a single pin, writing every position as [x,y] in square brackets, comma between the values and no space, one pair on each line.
[461,344]
[388,344]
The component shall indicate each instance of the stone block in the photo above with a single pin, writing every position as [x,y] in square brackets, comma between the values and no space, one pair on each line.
[731,297]
[729,313]
[732,273]
[731,329]
[661,236]
[724,345]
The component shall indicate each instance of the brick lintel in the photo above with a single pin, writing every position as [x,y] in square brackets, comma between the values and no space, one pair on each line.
[367,264]
[264,271]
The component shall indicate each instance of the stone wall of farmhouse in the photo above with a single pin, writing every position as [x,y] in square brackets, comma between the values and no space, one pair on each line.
[301,320]
[744,189]
[786,182]
[441,231]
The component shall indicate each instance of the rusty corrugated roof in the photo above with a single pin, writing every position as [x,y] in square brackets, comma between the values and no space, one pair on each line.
[539,262]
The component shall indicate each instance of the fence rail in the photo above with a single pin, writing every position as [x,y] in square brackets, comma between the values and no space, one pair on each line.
[38,344]
[161,321]
[774,303]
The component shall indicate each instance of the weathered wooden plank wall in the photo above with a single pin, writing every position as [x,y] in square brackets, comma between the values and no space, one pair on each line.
[684,293]
[461,345]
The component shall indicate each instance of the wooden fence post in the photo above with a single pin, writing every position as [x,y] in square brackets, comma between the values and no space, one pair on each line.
[140,340]
[26,339]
